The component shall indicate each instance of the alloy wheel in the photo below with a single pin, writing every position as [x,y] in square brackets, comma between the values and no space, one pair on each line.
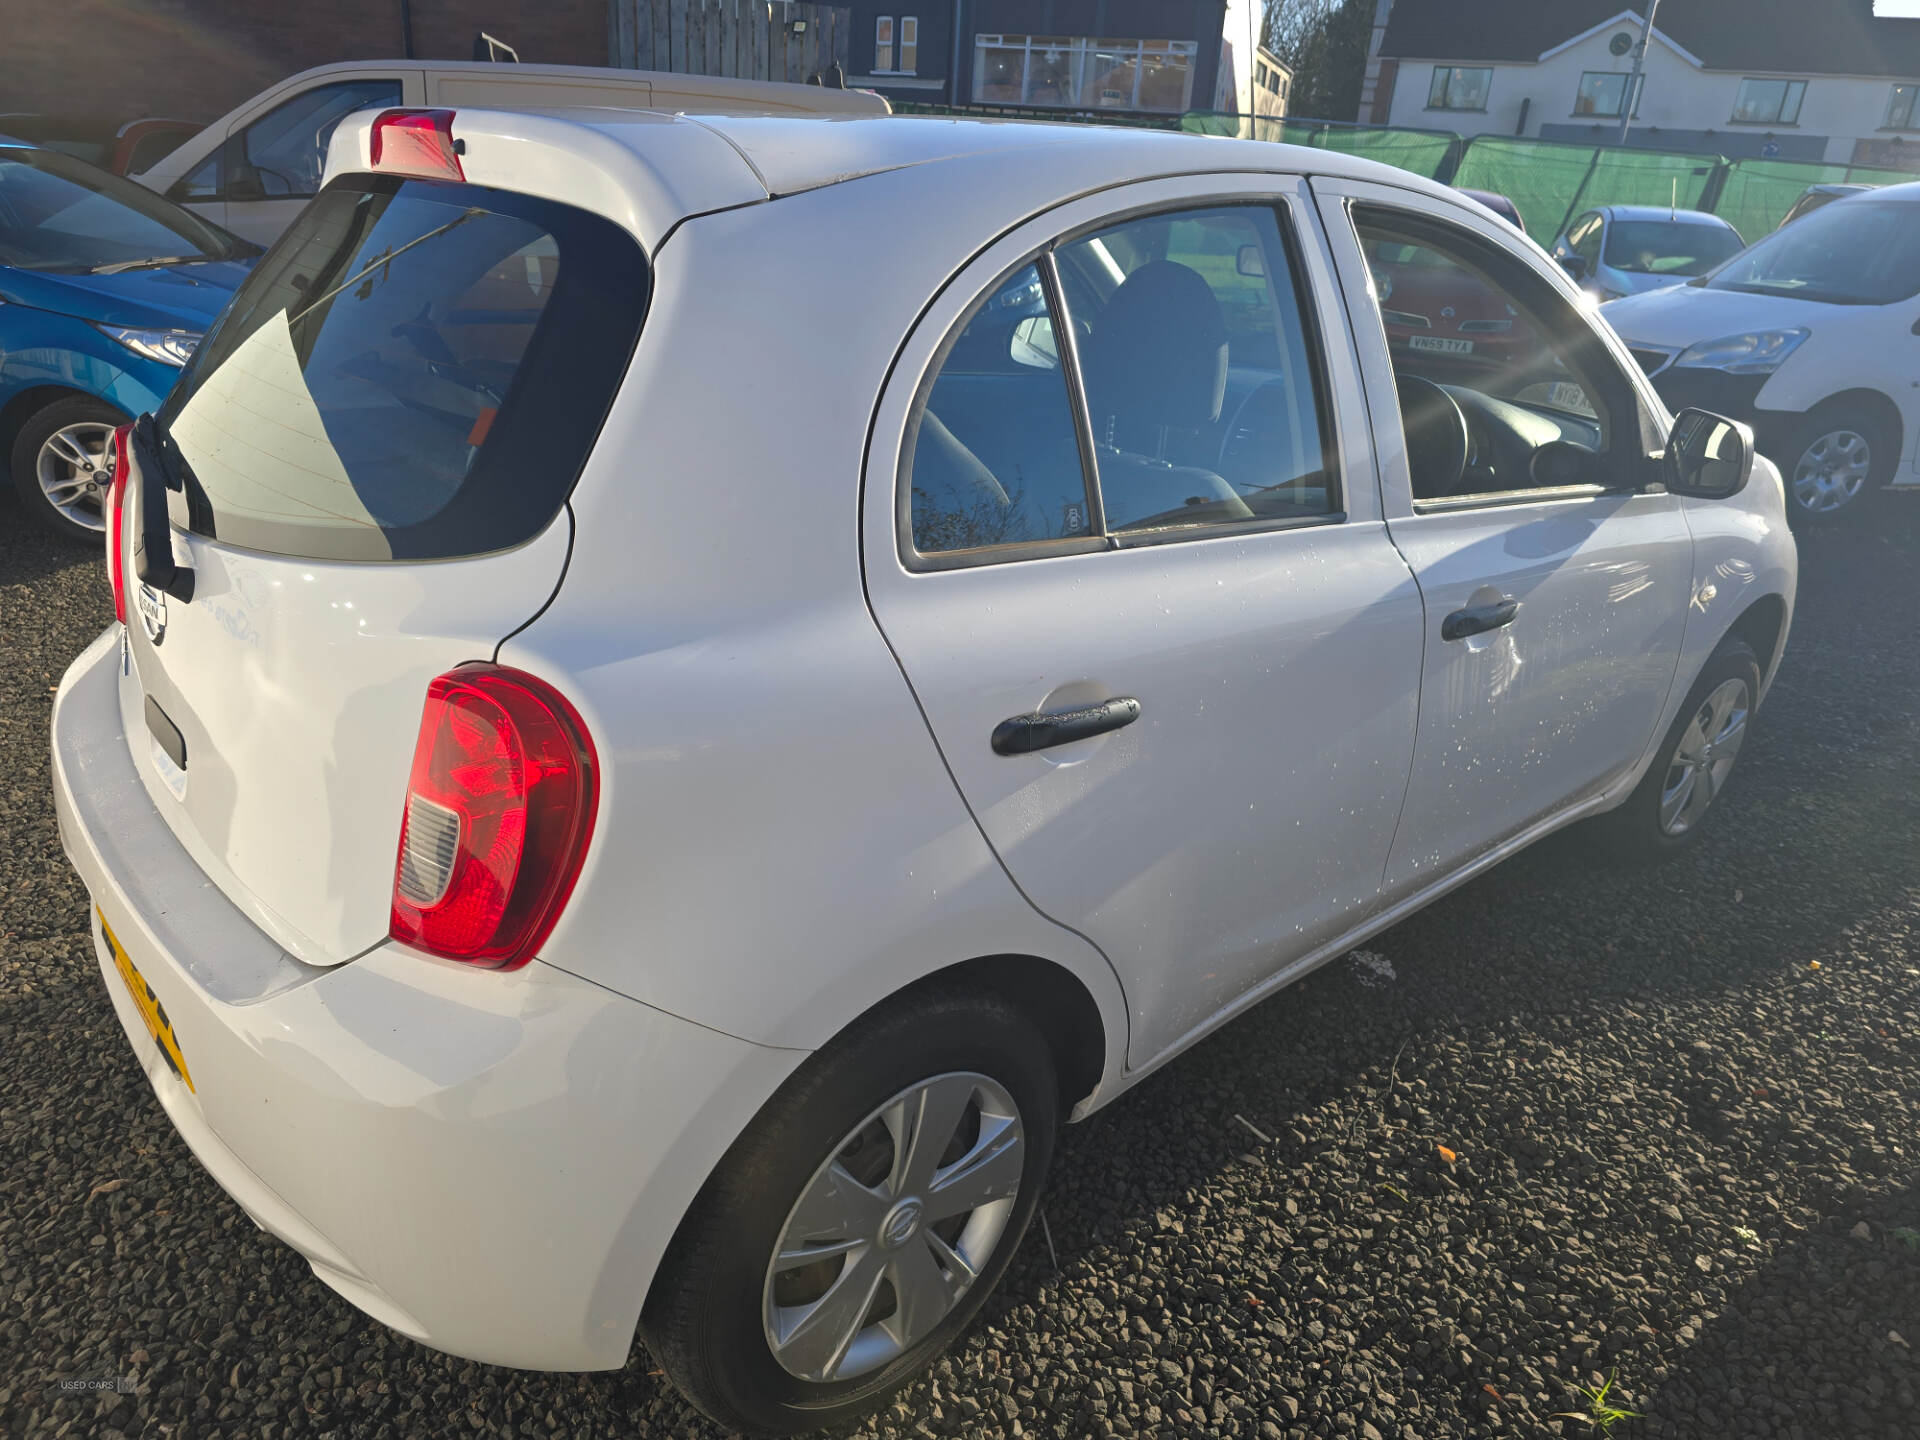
[894,1228]
[74,468]
[1704,758]
[1832,472]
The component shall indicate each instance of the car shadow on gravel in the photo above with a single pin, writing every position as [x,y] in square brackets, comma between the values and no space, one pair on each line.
[1820,1343]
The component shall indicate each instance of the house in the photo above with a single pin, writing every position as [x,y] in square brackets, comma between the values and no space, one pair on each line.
[1818,80]
[1139,56]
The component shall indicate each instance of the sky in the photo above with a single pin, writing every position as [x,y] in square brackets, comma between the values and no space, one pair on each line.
[1897,9]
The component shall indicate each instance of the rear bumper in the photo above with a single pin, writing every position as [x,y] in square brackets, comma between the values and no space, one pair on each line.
[490,1163]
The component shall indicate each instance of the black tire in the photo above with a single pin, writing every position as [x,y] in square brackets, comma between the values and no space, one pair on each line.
[1635,833]
[23,463]
[1826,423]
[704,1317]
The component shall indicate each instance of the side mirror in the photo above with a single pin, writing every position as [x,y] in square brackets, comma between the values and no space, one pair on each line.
[245,185]
[1574,265]
[1252,261]
[1708,456]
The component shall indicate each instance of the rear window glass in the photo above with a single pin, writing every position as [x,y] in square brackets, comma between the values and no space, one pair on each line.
[417,370]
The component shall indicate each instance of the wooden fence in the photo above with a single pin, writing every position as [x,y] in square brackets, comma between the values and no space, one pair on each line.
[746,39]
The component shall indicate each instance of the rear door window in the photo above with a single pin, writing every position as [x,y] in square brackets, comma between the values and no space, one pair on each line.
[417,371]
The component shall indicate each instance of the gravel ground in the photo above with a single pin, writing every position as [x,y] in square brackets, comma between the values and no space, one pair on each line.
[1565,1125]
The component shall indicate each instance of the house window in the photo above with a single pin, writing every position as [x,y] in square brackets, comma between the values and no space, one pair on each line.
[1459,87]
[1903,110]
[1604,92]
[903,60]
[1769,102]
[1083,73]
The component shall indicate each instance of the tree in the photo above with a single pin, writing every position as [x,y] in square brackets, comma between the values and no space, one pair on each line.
[1325,43]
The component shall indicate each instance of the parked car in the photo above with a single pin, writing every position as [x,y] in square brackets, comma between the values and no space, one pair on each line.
[97,138]
[105,288]
[253,168]
[738,824]
[1815,197]
[1800,336]
[1500,205]
[1627,249]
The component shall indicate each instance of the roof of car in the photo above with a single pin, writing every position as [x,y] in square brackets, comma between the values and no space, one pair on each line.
[668,167]
[1662,212]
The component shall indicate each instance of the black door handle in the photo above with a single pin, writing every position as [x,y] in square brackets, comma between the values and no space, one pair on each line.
[1476,619]
[1023,734]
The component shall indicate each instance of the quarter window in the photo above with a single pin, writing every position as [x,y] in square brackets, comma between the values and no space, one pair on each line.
[1901,108]
[286,149]
[1459,87]
[1769,102]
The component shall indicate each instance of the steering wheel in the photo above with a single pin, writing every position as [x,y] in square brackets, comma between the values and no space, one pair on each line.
[1438,443]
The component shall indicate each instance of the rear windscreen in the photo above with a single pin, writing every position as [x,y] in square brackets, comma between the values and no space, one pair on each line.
[417,370]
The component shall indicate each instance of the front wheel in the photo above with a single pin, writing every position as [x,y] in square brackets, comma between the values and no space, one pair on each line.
[1833,461]
[62,464]
[1666,810]
[857,1226]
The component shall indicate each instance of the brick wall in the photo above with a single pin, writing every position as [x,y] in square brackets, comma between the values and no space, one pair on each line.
[197,59]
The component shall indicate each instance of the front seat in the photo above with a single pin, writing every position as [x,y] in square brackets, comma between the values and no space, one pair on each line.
[1156,375]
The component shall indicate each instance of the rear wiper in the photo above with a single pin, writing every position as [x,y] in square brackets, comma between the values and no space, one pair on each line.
[119,265]
[153,558]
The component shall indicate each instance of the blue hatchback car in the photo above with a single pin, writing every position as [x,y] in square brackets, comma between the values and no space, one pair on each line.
[105,290]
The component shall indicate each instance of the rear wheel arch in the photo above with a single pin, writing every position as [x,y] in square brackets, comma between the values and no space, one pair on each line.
[1050,995]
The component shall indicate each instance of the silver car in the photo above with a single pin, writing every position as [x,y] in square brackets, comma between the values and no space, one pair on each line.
[1629,249]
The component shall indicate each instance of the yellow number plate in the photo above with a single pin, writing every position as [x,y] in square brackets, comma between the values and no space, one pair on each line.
[152,1012]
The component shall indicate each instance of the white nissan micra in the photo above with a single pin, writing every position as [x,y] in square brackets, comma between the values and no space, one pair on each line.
[689,688]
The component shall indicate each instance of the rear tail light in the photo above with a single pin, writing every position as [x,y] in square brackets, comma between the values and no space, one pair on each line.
[116,501]
[499,813]
[416,142]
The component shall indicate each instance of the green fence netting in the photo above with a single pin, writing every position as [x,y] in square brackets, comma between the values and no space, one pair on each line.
[1431,153]
[1755,195]
[1551,182]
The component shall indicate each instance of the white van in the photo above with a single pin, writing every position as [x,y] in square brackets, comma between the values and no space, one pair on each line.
[252,169]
